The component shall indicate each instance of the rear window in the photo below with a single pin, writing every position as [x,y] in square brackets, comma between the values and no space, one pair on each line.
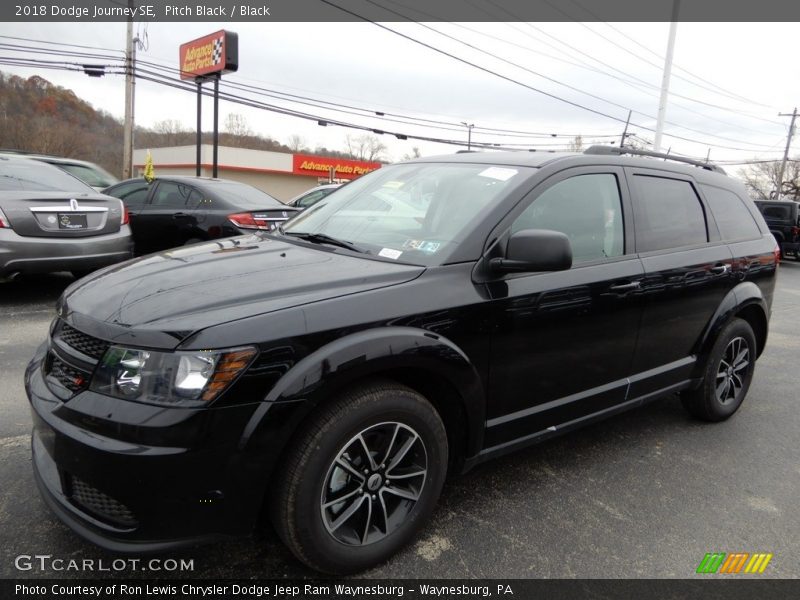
[733,218]
[241,195]
[772,211]
[36,176]
[668,214]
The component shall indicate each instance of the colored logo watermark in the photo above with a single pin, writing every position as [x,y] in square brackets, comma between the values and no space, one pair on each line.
[734,562]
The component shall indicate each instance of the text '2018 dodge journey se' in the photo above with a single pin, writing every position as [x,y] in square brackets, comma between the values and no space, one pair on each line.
[426,317]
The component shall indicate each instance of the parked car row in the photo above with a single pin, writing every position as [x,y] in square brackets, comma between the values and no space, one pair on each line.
[51,219]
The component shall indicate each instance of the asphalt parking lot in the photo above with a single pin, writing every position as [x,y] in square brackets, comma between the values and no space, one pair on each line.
[644,494]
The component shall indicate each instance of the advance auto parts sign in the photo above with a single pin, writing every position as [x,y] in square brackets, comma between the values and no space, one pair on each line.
[214,53]
[303,164]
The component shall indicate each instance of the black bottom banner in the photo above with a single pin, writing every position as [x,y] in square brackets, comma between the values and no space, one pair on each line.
[525,589]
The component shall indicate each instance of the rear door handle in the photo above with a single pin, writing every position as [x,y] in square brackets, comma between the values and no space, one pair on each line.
[626,287]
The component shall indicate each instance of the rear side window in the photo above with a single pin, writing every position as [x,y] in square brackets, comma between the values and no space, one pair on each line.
[668,214]
[172,195]
[733,218]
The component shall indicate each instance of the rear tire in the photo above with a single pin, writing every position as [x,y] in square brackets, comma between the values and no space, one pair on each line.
[726,376]
[362,478]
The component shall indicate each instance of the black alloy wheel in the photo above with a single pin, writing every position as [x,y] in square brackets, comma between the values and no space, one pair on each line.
[727,374]
[361,478]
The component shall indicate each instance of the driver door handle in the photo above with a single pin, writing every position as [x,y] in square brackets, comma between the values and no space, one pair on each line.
[626,287]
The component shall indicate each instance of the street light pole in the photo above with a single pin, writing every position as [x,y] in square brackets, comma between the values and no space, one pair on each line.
[469,127]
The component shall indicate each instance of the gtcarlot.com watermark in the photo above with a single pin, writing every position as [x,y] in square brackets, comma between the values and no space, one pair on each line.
[50,563]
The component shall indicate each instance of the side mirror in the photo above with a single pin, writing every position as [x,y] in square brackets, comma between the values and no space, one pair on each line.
[535,250]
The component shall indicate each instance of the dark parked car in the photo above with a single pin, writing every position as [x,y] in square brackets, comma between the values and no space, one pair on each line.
[783,220]
[331,375]
[52,221]
[312,196]
[174,211]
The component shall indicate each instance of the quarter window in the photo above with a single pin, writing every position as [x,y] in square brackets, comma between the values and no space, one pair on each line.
[668,214]
[733,218]
[587,208]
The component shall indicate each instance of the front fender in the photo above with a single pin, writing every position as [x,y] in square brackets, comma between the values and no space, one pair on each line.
[375,352]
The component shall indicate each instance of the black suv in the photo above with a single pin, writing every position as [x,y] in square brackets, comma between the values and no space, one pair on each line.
[421,320]
[783,220]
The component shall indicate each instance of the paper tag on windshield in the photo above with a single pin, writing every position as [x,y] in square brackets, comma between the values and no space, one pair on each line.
[498,173]
[389,253]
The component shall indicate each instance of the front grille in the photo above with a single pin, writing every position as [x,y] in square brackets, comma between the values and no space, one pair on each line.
[100,505]
[71,378]
[86,344]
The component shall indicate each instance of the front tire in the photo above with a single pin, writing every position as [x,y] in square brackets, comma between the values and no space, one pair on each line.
[727,375]
[362,479]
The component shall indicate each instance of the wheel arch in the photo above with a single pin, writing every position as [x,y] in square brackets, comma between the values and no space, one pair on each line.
[745,301]
[426,362]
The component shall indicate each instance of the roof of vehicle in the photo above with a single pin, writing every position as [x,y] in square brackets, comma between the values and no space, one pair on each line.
[47,158]
[187,179]
[592,155]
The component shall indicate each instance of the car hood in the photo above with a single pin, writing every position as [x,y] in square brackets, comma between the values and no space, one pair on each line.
[184,290]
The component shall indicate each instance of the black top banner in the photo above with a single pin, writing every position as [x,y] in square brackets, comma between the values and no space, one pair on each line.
[221,11]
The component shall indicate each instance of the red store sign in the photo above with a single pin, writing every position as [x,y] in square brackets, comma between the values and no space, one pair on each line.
[304,164]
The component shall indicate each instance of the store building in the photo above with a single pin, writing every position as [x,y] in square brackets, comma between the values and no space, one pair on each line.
[281,175]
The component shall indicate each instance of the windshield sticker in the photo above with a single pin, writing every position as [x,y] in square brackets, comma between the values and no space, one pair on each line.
[498,173]
[393,185]
[390,253]
[426,246]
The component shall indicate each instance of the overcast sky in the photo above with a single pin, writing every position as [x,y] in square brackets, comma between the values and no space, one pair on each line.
[729,81]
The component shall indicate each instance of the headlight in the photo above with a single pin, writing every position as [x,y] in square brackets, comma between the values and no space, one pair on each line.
[192,378]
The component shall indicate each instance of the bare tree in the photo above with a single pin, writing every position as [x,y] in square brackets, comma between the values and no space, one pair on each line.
[297,143]
[761,179]
[365,147]
[236,125]
[576,145]
[415,153]
[172,131]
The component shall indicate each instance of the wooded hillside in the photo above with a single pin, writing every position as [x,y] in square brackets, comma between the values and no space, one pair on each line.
[38,116]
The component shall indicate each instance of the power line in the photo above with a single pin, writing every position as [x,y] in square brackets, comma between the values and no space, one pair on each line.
[532,88]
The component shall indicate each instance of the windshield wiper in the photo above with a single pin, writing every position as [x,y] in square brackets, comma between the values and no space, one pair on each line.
[324,238]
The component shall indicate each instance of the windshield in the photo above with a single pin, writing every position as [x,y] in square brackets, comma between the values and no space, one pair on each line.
[36,176]
[415,213]
[244,196]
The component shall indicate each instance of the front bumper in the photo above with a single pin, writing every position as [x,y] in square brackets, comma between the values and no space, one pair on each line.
[21,254]
[134,478]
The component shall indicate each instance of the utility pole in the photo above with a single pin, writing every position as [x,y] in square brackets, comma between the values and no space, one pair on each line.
[469,127]
[662,103]
[130,82]
[785,152]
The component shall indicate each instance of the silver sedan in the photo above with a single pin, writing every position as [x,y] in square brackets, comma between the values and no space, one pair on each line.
[52,221]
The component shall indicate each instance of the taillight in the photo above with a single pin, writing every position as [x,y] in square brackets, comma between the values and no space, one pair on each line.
[795,231]
[4,224]
[247,221]
[777,253]
[125,217]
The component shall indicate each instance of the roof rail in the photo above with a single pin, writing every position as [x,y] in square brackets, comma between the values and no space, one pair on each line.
[614,151]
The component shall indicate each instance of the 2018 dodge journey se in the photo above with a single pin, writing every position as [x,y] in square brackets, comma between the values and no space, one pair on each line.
[425,318]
